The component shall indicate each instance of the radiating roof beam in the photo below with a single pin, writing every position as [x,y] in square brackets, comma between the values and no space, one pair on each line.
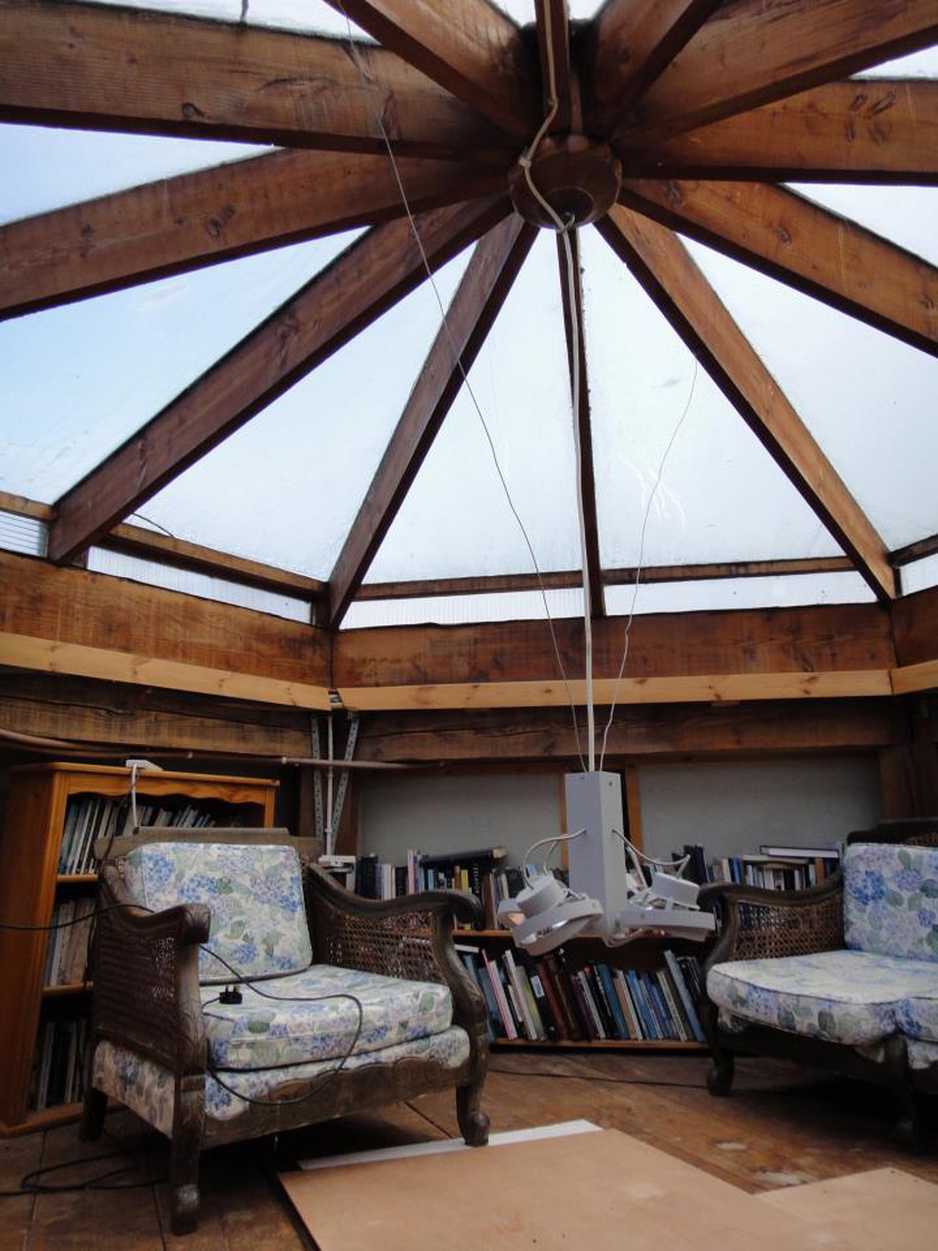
[469,47]
[196,219]
[628,45]
[873,130]
[553,41]
[474,308]
[365,281]
[101,68]
[809,247]
[751,52]
[573,322]
[671,279]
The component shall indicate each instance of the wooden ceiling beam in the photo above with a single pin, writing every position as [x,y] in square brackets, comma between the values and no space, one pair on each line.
[873,130]
[571,289]
[100,68]
[365,281]
[553,41]
[182,223]
[668,274]
[752,52]
[468,47]
[475,306]
[788,237]
[627,46]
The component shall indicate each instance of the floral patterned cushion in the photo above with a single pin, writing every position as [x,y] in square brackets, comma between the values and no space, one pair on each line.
[847,997]
[922,1055]
[917,1016]
[147,1088]
[255,895]
[891,900]
[322,1013]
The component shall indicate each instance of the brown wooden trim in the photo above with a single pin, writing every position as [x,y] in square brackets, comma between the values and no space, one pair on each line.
[702,688]
[365,281]
[666,271]
[752,52]
[786,236]
[22,651]
[909,679]
[20,506]
[573,317]
[100,68]
[478,300]
[872,130]
[196,219]
[915,551]
[466,46]
[628,45]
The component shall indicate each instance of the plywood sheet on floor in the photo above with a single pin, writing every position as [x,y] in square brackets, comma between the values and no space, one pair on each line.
[885,1207]
[586,1190]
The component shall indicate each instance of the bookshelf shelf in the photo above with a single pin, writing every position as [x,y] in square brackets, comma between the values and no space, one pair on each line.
[47,805]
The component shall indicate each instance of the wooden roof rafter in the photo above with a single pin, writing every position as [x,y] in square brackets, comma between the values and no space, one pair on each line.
[183,223]
[94,67]
[752,52]
[366,280]
[812,249]
[675,284]
[475,306]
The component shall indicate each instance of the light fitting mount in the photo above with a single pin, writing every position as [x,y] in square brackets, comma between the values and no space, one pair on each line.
[579,178]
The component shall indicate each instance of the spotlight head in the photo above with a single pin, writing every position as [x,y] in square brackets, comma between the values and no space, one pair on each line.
[546,914]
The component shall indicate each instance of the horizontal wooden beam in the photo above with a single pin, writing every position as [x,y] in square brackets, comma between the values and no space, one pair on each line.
[95,67]
[872,130]
[695,689]
[183,223]
[912,679]
[22,651]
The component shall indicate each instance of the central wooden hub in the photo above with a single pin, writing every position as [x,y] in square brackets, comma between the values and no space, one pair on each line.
[578,177]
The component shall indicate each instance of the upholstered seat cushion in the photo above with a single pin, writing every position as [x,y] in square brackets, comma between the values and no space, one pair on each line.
[255,894]
[891,900]
[850,997]
[322,1013]
[917,1016]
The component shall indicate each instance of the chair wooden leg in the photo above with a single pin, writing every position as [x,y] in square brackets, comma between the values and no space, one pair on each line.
[473,1122]
[720,1073]
[95,1110]
[185,1148]
[910,1129]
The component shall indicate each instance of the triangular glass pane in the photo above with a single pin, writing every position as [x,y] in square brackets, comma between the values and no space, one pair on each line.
[499,482]
[286,488]
[680,478]
[58,167]
[904,215]
[77,381]
[868,399]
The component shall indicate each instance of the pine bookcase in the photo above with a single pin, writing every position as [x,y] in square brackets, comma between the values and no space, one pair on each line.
[31,885]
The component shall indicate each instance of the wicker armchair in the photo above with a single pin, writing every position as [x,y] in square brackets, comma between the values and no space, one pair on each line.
[167,1041]
[882,1040]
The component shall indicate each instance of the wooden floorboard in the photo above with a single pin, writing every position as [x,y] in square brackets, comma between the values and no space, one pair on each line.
[780,1127]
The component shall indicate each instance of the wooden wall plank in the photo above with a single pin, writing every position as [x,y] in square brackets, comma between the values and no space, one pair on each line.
[96,610]
[915,627]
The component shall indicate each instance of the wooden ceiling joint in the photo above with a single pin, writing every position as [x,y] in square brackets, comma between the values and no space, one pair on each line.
[365,281]
[669,276]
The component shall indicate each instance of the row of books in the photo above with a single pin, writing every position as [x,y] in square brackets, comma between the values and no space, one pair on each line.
[67,952]
[774,866]
[90,817]
[547,999]
[479,870]
[57,1075]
